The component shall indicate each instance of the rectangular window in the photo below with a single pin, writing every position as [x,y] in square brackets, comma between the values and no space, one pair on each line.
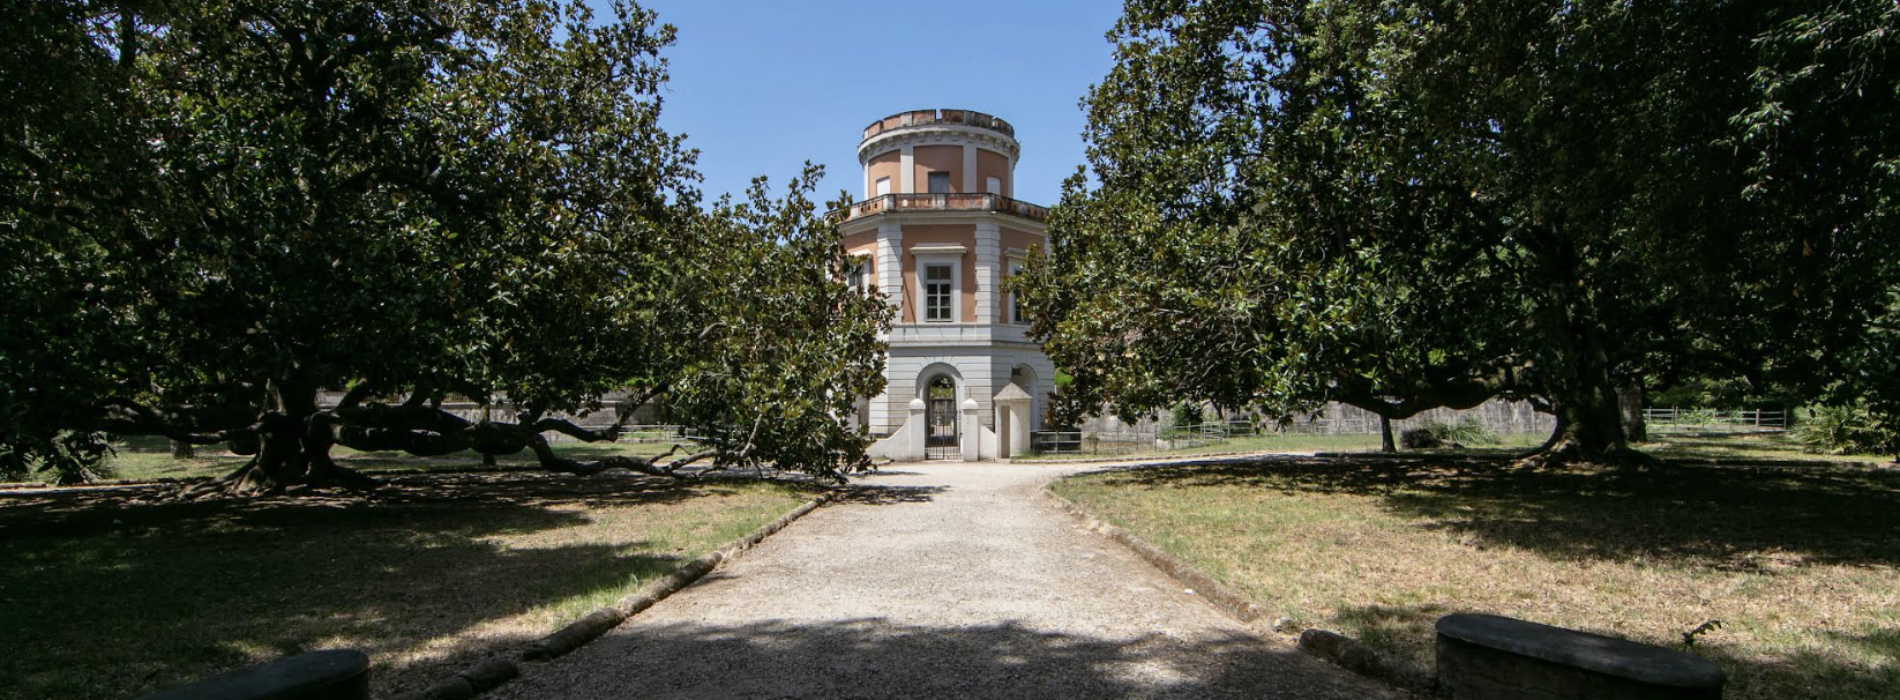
[1015,303]
[939,183]
[856,278]
[883,186]
[938,286]
[993,185]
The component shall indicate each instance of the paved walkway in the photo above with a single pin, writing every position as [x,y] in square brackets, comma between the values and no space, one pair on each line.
[949,580]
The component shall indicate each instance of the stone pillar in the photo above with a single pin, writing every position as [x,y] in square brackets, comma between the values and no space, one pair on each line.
[1012,425]
[989,238]
[919,438]
[970,433]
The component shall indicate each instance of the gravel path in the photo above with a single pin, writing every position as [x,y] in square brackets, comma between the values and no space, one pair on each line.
[941,580]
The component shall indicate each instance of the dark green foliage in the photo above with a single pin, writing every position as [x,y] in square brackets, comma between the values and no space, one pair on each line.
[1419,439]
[68,456]
[219,210]
[1437,433]
[1719,394]
[1418,204]
[1842,430]
[1185,414]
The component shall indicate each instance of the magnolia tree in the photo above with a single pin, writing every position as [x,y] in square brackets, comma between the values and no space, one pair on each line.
[219,213]
[1408,205]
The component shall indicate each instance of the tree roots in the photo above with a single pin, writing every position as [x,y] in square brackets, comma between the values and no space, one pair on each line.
[1566,453]
[257,478]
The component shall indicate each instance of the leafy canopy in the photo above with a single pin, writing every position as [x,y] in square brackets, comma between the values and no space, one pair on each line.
[218,211]
[1404,205]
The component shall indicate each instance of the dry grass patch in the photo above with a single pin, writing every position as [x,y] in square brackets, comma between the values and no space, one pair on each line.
[1799,563]
[102,597]
[146,458]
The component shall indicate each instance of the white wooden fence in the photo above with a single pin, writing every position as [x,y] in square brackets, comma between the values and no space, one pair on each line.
[1708,419]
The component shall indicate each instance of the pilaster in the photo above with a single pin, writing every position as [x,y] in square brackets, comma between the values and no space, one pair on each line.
[907,178]
[890,262]
[989,238]
[969,168]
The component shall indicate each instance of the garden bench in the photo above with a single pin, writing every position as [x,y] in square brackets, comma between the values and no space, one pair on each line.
[1485,657]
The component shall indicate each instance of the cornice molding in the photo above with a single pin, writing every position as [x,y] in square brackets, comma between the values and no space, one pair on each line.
[937,135]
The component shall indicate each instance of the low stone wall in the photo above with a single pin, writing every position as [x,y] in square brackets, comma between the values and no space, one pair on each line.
[335,674]
[1502,417]
[1487,657]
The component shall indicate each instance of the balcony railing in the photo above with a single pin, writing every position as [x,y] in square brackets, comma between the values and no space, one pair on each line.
[942,202]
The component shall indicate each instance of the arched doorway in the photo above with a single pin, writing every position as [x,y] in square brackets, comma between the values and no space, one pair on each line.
[940,415]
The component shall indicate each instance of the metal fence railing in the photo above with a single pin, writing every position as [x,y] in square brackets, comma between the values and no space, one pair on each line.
[1713,419]
[1135,440]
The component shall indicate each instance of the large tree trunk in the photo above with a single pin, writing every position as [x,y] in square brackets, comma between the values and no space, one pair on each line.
[1630,403]
[293,451]
[1589,421]
[1581,390]
[1385,436]
[1593,424]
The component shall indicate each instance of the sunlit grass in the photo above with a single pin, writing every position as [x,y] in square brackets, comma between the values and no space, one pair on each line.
[1800,563]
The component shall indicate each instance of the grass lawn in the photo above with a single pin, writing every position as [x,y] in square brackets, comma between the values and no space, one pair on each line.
[102,596]
[145,458]
[1802,564]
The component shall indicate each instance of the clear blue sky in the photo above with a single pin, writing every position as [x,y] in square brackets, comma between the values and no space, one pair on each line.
[760,87]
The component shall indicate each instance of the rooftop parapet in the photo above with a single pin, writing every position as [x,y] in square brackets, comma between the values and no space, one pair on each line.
[979,202]
[930,117]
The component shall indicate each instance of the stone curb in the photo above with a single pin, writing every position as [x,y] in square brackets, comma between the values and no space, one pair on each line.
[1352,655]
[1226,599]
[495,671]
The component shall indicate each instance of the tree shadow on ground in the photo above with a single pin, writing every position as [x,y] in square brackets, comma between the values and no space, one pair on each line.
[1724,516]
[880,658]
[105,597]
[886,494]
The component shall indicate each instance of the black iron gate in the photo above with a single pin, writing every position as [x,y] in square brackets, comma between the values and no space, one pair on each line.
[940,414]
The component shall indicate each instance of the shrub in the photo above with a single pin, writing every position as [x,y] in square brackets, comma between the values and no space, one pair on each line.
[1419,439]
[1437,433]
[1186,415]
[69,457]
[1841,430]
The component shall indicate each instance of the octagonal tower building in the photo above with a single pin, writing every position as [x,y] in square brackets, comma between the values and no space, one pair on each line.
[938,232]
